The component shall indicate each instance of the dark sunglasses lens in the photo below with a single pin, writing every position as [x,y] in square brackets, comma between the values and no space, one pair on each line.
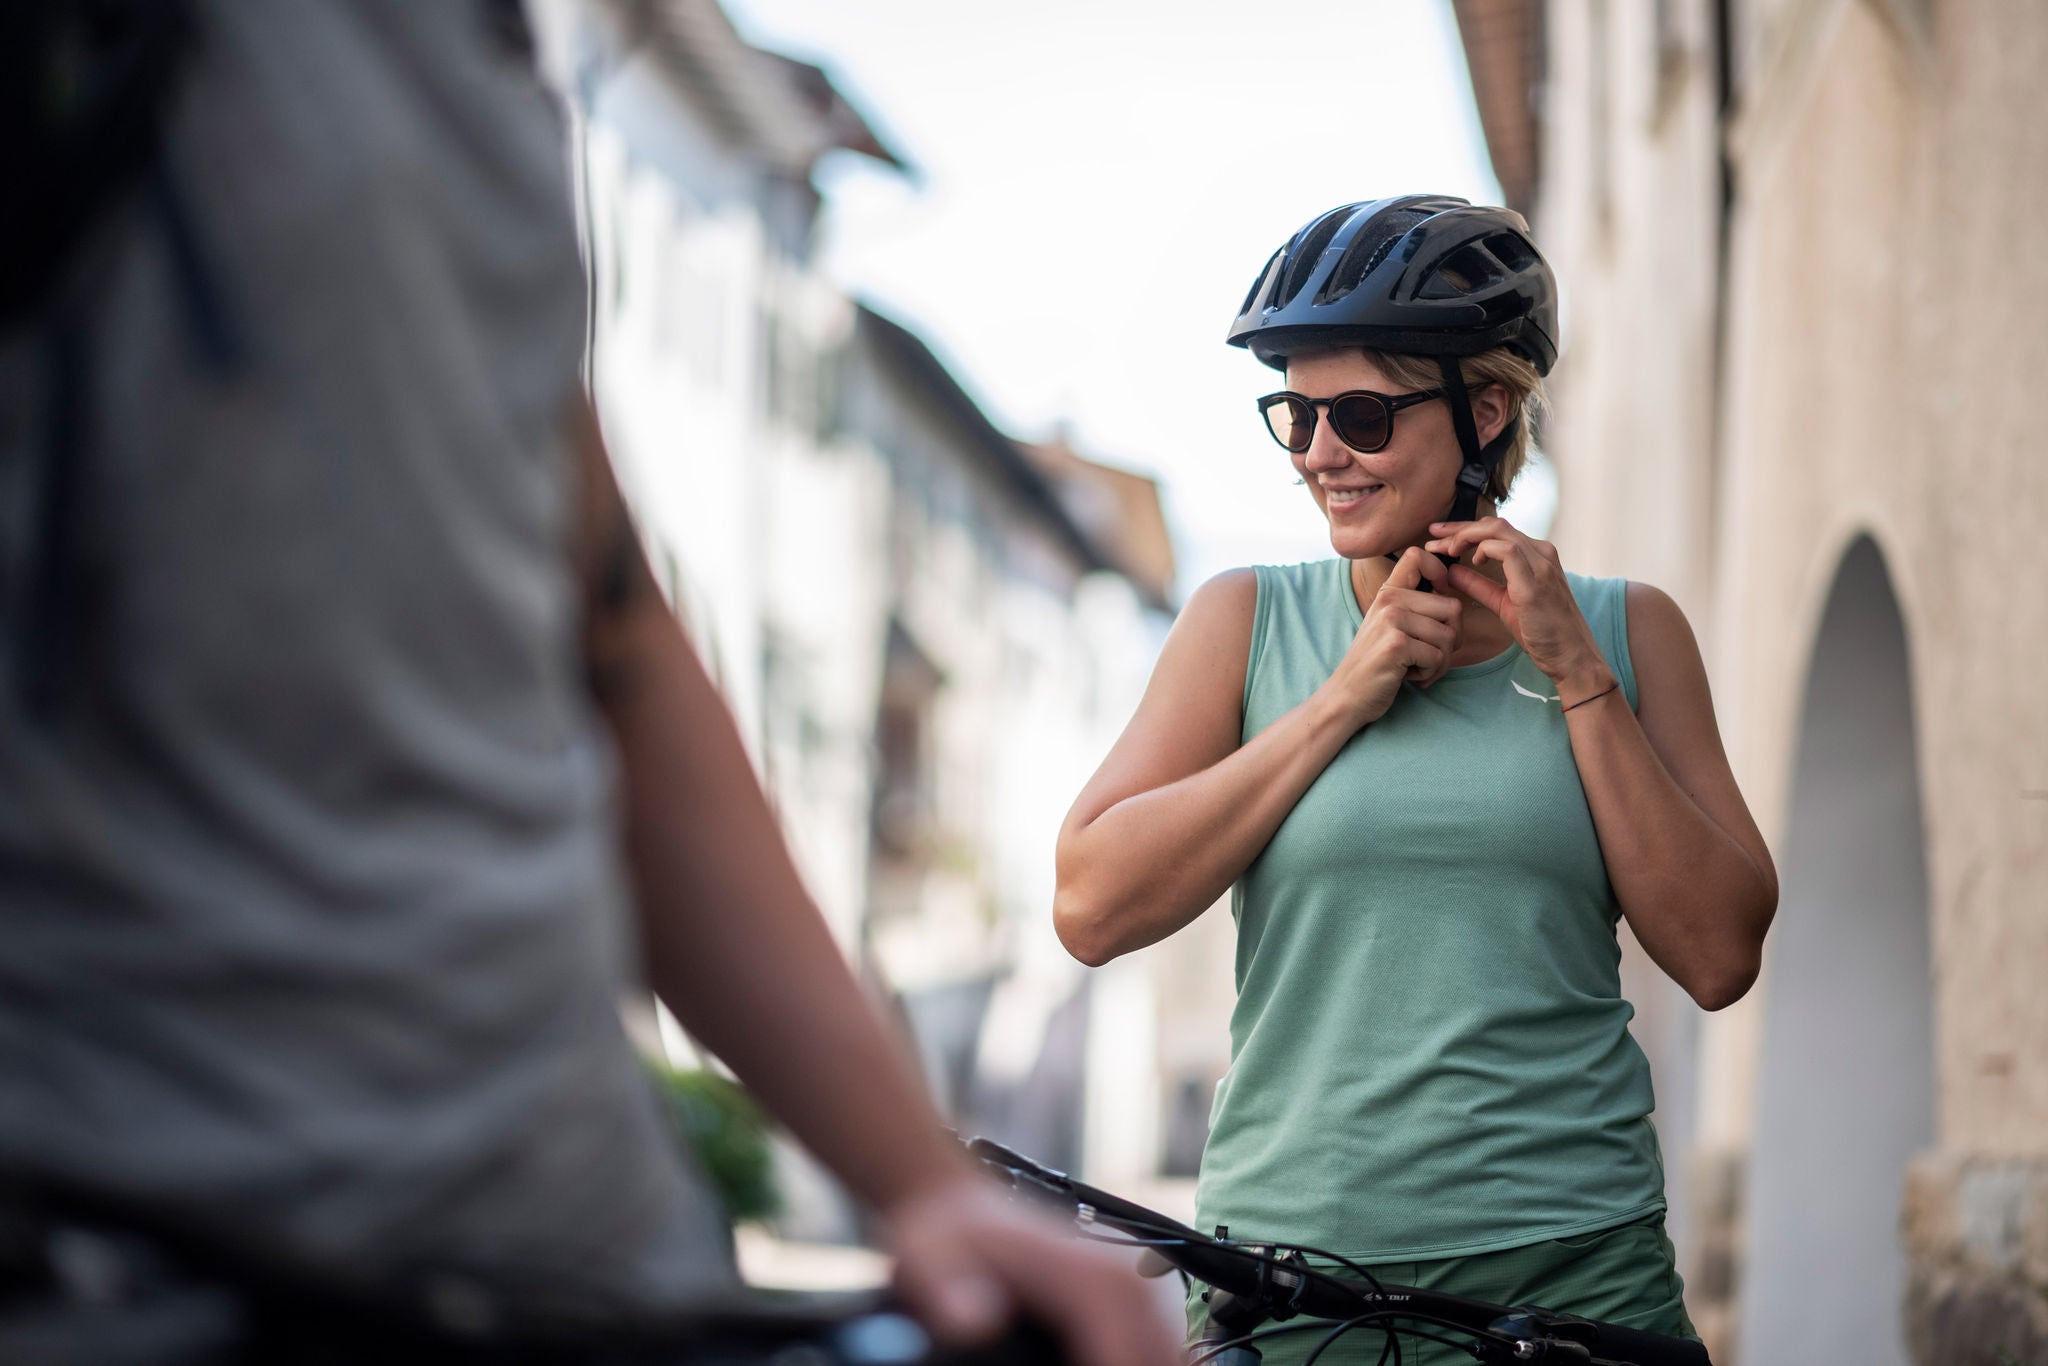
[1292,423]
[1361,422]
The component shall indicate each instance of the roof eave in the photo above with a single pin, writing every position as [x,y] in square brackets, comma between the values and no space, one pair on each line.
[988,441]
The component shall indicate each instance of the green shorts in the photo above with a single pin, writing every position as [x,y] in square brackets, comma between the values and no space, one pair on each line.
[1623,1275]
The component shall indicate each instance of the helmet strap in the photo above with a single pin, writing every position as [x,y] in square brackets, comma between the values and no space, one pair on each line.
[1480,461]
[1472,475]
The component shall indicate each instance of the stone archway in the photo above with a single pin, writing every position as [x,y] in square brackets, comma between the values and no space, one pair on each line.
[1846,1081]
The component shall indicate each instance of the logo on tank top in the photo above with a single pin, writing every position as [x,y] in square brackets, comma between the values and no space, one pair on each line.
[1537,695]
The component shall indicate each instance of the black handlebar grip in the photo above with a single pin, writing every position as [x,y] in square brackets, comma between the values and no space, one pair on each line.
[1630,1347]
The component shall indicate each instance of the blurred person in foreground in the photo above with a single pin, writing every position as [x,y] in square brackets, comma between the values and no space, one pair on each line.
[333,688]
[1439,770]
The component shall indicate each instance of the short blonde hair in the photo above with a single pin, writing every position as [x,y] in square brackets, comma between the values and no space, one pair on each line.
[1508,368]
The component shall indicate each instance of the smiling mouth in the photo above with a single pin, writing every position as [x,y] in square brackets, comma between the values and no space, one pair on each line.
[1341,500]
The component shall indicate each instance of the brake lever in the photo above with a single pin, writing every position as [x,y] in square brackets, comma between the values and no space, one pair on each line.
[992,1153]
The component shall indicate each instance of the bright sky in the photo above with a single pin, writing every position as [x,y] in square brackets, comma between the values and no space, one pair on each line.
[1099,182]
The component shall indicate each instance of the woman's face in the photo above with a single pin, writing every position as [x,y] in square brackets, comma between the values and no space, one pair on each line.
[1381,503]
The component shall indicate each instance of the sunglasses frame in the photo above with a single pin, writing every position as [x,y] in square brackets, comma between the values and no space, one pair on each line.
[1393,403]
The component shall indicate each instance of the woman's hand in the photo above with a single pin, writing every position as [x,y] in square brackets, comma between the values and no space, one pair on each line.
[1535,604]
[1407,637]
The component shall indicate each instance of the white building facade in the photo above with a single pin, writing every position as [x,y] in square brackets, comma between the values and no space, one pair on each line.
[925,650]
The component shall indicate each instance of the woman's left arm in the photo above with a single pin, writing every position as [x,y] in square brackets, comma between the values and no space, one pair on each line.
[1687,861]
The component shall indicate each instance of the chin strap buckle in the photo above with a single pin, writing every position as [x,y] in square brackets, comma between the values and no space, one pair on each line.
[1471,484]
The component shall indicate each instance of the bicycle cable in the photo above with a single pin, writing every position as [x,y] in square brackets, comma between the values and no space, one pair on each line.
[1208,1352]
[1135,1242]
[1211,1351]
[1393,1337]
[1384,1319]
[1242,1250]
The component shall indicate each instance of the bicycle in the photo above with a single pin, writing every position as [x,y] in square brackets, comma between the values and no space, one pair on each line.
[1261,1283]
[120,1288]
[67,1282]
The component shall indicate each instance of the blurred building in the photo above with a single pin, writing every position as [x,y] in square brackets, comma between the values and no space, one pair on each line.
[1159,1037]
[1804,323]
[928,632]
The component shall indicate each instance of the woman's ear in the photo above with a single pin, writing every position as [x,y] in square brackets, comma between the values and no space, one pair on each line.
[1492,406]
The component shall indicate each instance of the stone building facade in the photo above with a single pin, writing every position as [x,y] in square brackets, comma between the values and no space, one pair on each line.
[1806,325]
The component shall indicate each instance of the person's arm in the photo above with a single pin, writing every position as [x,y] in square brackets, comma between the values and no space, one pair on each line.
[1179,808]
[1688,864]
[739,953]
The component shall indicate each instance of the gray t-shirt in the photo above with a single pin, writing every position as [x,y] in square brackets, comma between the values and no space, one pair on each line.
[312,925]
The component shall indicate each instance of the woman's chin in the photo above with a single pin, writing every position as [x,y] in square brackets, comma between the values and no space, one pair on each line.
[1362,543]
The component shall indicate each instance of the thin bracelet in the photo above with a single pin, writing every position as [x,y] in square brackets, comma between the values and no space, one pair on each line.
[1595,697]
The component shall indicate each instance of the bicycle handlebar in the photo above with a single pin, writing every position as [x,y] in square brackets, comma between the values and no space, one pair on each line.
[86,1278]
[1286,1286]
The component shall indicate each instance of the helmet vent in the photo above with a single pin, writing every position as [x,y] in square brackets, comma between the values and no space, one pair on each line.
[1365,253]
[1258,282]
[1462,272]
[1511,251]
[1301,262]
[1501,307]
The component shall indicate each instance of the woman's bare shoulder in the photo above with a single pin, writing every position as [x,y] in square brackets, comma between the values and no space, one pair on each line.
[1656,623]
[1212,636]
[1231,596]
[1190,714]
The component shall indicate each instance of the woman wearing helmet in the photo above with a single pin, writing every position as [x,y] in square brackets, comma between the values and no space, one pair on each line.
[1438,769]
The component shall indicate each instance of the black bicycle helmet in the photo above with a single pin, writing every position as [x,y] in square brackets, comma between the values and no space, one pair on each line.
[1424,274]
[1421,274]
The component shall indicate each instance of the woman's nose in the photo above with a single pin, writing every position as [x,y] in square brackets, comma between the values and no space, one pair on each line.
[1325,451]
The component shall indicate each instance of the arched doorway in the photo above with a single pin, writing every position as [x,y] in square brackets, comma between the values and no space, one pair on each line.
[1846,1082]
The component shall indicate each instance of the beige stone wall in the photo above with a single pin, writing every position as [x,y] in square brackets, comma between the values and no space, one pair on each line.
[1979,1229]
[1886,360]
[1634,388]
[1888,355]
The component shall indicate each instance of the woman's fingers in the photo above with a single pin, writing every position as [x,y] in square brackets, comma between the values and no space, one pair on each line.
[1482,529]
[1430,566]
[1439,605]
[1409,570]
[1423,656]
[1455,538]
[1415,570]
[1482,590]
[1425,646]
[1424,624]
[1502,550]
[1439,666]
[1433,630]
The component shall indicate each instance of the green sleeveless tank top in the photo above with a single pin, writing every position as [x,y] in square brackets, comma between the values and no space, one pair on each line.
[1430,1054]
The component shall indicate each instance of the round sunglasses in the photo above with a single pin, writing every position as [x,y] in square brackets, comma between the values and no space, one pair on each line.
[1362,419]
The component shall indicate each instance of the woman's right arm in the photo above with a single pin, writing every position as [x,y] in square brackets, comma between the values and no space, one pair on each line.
[1180,808]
